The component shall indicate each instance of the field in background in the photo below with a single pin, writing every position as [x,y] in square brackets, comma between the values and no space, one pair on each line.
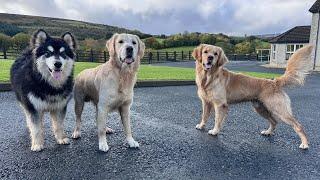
[178,49]
[146,72]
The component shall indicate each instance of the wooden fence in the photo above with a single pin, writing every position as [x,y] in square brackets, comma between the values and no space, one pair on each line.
[149,57]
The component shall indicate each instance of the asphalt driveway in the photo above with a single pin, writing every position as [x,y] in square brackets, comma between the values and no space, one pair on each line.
[163,121]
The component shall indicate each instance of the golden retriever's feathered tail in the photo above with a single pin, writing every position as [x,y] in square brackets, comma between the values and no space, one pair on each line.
[298,67]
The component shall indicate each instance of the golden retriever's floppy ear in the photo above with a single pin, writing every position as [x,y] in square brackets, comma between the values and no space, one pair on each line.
[38,38]
[111,45]
[197,52]
[222,58]
[141,47]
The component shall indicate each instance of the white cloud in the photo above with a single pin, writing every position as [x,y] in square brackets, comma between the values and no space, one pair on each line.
[261,14]
[209,7]
[173,16]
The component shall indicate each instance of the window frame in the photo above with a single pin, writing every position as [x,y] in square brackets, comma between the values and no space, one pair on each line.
[293,48]
[273,51]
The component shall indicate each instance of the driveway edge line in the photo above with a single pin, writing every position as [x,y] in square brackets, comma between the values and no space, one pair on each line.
[7,86]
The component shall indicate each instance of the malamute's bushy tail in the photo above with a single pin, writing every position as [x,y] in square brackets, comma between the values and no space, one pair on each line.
[298,67]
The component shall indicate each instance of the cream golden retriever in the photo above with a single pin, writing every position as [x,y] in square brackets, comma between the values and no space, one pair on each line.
[110,86]
[218,87]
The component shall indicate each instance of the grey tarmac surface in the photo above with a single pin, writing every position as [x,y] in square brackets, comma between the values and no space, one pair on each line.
[163,121]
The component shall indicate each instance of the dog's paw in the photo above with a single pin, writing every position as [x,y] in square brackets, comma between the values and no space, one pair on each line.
[266,133]
[199,126]
[213,132]
[132,143]
[109,130]
[63,141]
[103,147]
[304,146]
[76,134]
[37,147]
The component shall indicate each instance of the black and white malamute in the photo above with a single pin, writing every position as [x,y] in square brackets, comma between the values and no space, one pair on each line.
[42,79]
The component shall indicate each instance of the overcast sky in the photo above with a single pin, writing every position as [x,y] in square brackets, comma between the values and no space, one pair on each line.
[233,17]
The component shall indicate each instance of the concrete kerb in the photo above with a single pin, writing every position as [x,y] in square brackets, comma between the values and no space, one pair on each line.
[139,84]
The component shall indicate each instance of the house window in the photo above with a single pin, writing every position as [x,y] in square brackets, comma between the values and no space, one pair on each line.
[273,50]
[291,48]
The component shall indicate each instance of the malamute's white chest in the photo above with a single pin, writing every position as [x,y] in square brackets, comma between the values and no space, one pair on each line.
[50,103]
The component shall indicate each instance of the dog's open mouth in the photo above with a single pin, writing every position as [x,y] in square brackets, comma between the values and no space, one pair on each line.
[128,60]
[56,73]
[207,66]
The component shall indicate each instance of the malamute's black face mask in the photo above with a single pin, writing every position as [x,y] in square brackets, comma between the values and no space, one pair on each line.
[54,56]
[41,41]
[54,47]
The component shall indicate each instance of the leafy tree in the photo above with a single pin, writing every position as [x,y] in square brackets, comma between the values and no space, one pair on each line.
[193,39]
[244,47]
[90,43]
[250,46]
[5,42]
[228,48]
[260,44]
[152,42]
[207,39]
[222,38]
[21,40]
[236,40]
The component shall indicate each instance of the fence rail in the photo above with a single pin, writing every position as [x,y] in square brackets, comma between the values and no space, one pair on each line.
[149,57]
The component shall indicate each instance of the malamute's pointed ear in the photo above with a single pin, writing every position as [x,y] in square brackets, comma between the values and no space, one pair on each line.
[70,40]
[38,38]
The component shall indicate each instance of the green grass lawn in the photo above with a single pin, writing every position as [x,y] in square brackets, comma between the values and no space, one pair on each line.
[146,72]
[5,70]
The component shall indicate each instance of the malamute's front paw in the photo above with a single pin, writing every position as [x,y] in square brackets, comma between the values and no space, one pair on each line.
[132,143]
[37,147]
[103,147]
[76,134]
[213,132]
[304,146]
[199,126]
[63,141]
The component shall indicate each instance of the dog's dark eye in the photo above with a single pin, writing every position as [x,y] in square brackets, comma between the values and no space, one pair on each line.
[48,54]
[133,42]
[63,55]
[215,54]
[120,41]
[205,52]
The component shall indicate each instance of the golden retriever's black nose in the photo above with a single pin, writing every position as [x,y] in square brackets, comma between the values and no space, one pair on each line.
[210,58]
[129,49]
[58,64]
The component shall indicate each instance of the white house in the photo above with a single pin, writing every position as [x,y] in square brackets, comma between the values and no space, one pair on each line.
[284,45]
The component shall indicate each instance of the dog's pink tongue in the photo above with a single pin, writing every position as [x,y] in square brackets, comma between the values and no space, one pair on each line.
[208,66]
[128,60]
[56,75]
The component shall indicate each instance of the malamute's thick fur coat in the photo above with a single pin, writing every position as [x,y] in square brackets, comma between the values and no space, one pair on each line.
[42,79]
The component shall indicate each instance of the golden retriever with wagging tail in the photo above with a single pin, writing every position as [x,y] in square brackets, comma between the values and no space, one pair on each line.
[218,87]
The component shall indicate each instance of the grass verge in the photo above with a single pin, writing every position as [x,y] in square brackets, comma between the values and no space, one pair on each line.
[146,72]
[178,49]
